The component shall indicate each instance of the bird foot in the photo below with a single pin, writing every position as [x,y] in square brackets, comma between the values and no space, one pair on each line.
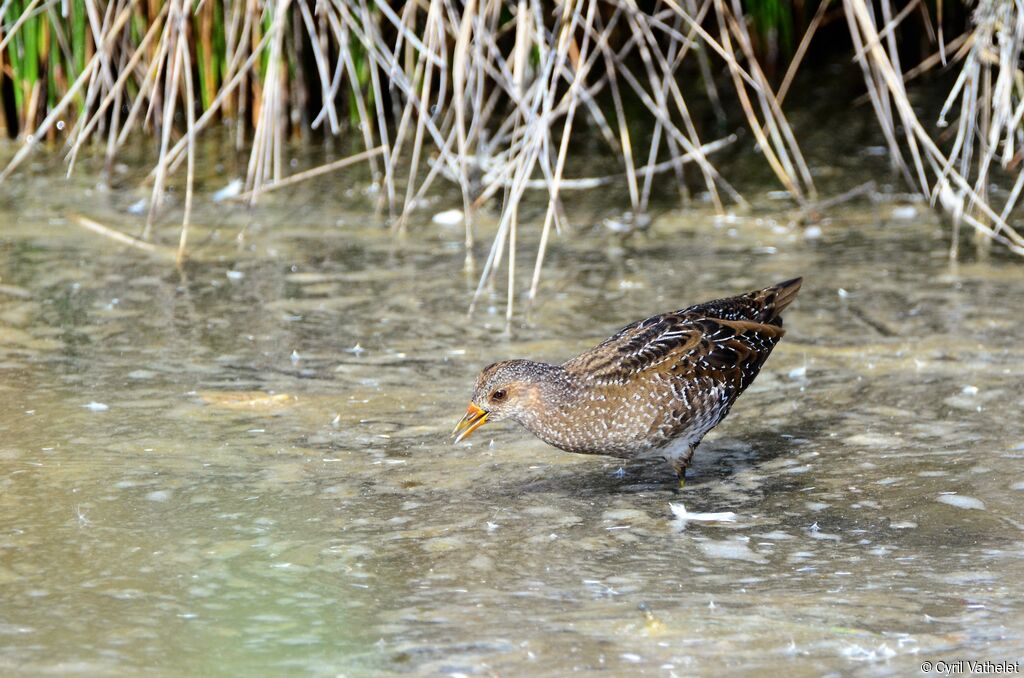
[679,465]
[680,478]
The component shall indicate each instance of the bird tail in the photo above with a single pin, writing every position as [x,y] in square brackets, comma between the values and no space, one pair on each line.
[775,299]
[761,306]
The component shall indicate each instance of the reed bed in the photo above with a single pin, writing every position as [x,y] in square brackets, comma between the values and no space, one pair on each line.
[987,101]
[489,95]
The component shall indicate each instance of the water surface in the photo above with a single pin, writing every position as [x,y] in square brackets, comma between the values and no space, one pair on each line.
[243,467]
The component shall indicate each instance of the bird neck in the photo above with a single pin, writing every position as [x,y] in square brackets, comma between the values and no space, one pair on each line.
[552,400]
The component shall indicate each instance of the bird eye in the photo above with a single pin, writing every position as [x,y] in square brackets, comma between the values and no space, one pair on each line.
[499,395]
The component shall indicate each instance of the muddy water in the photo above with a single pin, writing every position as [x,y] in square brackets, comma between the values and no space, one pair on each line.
[244,467]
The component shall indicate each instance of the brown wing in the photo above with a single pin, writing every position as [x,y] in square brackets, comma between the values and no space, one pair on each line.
[705,340]
[684,345]
[676,375]
[711,375]
[730,352]
[637,348]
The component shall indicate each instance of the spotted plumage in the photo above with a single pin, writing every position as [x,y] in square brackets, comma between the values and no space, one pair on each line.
[653,389]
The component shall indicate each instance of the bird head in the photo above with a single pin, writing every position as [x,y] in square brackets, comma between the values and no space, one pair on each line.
[505,390]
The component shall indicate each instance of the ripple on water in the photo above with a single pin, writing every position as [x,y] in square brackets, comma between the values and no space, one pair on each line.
[962,501]
[732,549]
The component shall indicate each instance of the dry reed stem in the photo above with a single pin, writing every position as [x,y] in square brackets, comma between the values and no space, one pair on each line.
[190,118]
[664,85]
[308,174]
[951,188]
[625,143]
[54,115]
[124,239]
[779,128]
[767,148]
[801,51]
[559,168]
[25,16]
[82,134]
[459,68]
[169,51]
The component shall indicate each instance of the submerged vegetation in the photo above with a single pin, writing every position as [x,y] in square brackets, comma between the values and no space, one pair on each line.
[489,94]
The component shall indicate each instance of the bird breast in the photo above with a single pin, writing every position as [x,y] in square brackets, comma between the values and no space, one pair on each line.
[616,421]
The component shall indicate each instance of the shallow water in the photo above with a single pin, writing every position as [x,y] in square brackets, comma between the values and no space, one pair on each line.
[244,467]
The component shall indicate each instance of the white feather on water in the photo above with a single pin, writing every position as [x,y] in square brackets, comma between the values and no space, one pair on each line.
[681,516]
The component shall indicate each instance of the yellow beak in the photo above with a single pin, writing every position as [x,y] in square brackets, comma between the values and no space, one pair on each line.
[474,419]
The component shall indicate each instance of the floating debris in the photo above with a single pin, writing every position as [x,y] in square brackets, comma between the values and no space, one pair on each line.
[904,212]
[448,218]
[14,291]
[96,407]
[235,275]
[247,400]
[233,189]
[628,222]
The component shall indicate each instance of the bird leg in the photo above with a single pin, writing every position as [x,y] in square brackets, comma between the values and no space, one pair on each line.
[681,464]
[680,475]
